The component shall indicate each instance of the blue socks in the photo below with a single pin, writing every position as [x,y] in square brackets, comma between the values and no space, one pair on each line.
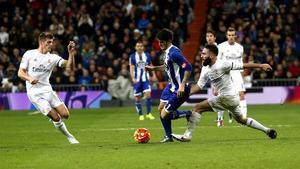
[138,107]
[148,105]
[167,124]
[179,114]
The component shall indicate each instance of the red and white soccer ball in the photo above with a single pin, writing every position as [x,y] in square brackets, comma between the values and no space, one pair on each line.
[141,135]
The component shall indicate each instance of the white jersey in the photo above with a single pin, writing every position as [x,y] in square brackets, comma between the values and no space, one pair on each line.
[39,66]
[232,53]
[219,76]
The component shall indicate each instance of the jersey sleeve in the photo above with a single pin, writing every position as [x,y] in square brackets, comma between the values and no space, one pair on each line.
[148,59]
[25,61]
[220,52]
[242,54]
[131,60]
[228,66]
[203,78]
[58,60]
[178,58]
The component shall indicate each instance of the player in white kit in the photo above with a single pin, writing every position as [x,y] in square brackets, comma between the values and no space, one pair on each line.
[36,68]
[211,40]
[232,51]
[218,72]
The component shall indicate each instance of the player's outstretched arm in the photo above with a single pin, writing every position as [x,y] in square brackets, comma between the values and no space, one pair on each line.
[195,88]
[265,67]
[22,73]
[155,68]
[70,63]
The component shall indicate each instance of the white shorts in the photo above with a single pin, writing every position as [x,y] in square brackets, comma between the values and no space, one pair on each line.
[238,81]
[45,102]
[222,103]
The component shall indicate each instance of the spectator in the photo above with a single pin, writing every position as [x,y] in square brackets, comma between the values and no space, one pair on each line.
[267,29]
[4,36]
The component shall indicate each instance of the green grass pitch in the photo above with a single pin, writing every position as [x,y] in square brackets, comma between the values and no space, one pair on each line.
[106,141]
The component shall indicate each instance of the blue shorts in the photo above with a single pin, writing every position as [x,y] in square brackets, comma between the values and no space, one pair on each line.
[141,87]
[171,99]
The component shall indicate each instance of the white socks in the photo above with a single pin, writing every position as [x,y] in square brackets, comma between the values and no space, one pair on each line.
[243,106]
[60,125]
[256,125]
[192,125]
[220,115]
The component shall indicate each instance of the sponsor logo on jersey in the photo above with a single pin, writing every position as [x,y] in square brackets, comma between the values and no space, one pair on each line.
[41,68]
[141,64]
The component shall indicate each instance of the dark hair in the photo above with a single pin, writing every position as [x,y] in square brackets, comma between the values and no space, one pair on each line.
[230,29]
[212,32]
[212,48]
[165,35]
[45,35]
[139,41]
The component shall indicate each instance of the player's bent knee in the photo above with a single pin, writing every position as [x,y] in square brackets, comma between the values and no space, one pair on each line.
[54,117]
[163,114]
[241,120]
[63,111]
[65,116]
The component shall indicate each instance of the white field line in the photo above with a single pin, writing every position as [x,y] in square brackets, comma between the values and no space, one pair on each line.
[150,128]
[177,127]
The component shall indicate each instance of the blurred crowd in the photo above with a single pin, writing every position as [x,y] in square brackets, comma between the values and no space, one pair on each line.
[105,32]
[269,31]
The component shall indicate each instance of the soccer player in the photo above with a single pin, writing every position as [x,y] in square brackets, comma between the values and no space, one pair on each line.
[232,51]
[211,40]
[211,37]
[35,68]
[140,79]
[218,72]
[177,91]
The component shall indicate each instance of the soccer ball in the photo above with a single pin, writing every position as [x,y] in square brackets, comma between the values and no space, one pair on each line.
[141,135]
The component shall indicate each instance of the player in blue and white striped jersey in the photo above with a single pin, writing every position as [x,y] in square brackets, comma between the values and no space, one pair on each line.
[177,91]
[140,79]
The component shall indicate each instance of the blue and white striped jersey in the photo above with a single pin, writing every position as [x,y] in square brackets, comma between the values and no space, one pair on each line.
[139,62]
[175,66]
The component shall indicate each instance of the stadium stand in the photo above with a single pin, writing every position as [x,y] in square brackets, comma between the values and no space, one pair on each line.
[269,32]
[105,32]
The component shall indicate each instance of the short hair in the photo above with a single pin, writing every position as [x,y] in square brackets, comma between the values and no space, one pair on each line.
[230,29]
[212,32]
[139,41]
[45,35]
[165,35]
[212,48]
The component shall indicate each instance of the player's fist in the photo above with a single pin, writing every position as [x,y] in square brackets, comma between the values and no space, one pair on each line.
[71,47]
[180,92]
[149,68]
[33,81]
[266,67]
[134,81]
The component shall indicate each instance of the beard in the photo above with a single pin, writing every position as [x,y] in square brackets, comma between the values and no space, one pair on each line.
[207,61]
